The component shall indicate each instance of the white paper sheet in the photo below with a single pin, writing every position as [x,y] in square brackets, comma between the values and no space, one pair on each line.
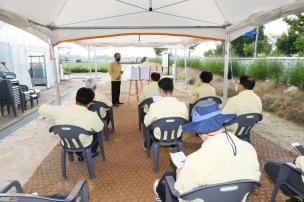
[178,159]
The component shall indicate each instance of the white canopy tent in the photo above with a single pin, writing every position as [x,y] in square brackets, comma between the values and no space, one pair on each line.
[133,22]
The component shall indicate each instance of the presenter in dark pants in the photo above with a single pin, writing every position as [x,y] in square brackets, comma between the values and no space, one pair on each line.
[115,73]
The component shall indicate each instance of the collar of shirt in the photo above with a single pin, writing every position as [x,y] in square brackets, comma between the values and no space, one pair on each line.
[168,99]
[219,137]
[246,92]
[79,107]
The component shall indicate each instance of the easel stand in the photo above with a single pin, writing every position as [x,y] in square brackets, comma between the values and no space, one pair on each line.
[136,83]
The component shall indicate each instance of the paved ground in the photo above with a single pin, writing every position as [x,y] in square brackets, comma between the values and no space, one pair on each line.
[127,174]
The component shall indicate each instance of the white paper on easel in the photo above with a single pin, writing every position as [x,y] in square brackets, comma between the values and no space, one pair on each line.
[135,73]
[178,159]
[144,73]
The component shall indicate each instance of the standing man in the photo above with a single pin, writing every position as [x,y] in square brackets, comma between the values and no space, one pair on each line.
[115,73]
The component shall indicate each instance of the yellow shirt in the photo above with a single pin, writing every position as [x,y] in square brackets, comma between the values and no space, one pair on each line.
[243,103]
[165,107]
[102,98]
[149,90]
[75,115]
[115,71]
[204,90]
[215,163]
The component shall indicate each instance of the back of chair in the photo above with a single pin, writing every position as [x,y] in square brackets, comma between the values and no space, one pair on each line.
[10,93]
[229,192]
[78,194]
[141,107]
[69,135]
[245,123]
[169,128]
[96,105]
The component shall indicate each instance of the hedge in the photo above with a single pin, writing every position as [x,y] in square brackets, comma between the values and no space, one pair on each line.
[84,67]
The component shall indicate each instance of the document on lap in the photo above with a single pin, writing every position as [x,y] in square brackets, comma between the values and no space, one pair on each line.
[298,148]
[156,98]
[178,159]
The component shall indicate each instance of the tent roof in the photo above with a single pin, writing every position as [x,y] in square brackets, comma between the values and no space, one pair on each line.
[177,21]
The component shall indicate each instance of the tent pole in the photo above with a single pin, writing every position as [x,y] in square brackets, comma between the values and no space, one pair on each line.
[90,64]
[226,66]
[185,64]
[256,41]
[174,67]
[55,72]
[95,64]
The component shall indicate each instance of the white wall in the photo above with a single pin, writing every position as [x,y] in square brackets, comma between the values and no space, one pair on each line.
[16,45]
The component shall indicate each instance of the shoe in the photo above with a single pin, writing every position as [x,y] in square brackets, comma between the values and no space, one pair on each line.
[95,154]
[154,190]
[293,199]
[80,157]
[145,148]
[120,103]
[116,105]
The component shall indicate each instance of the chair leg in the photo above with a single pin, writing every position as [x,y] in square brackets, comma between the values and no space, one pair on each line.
[89,161]
[14,110]
[63,164]
[180,146]
[71,157]
[148,141]
[139,120]
[156,157]
[101,147]
[106,131]
[112,120]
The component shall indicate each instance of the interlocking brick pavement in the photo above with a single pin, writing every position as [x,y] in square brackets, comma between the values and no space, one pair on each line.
[127,173]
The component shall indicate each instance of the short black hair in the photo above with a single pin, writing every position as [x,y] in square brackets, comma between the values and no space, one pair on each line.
[166,84]
[85,96]
[206,77]
[247,81]
[116,54]
[155,76]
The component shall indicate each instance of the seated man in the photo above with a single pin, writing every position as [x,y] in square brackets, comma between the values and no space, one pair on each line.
[246,101]
[151,89]
[77,115]
[166,106]
[222,157]
[272,169]
[204,89]
[91,83]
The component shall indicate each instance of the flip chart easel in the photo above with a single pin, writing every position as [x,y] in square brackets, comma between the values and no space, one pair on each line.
[138,74]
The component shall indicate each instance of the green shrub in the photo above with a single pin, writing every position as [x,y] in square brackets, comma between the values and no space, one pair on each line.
[84,67]
[155,60]
[258,69]
[275,71]
[296,75]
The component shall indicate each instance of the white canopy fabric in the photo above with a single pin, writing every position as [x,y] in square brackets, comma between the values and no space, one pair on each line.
[73,20]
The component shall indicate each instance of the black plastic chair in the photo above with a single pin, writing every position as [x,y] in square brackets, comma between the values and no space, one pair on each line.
[30,93]
[95,107]
[233,191]
[10,96]
[170,126]
[141,111]
[245,123]
[79,193]
[69,135]
[212,98]
[285,171]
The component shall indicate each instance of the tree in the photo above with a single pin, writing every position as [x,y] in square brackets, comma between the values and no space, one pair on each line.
[244,45]
[159,51]
[292,42]
[217,52]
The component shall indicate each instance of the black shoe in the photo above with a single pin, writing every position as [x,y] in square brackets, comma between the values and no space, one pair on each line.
[116,105]
[95,154]
[120,103]
[293,199]
[80,157]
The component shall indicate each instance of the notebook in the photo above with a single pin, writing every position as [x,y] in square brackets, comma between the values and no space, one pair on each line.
[299,148]
[178,159]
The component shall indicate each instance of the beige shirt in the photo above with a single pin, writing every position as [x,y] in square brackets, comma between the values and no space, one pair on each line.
[102,98]
[203,90]
[115,71]
[243,103]
[165,107]
[149,90]
[75,115]
[215,163]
